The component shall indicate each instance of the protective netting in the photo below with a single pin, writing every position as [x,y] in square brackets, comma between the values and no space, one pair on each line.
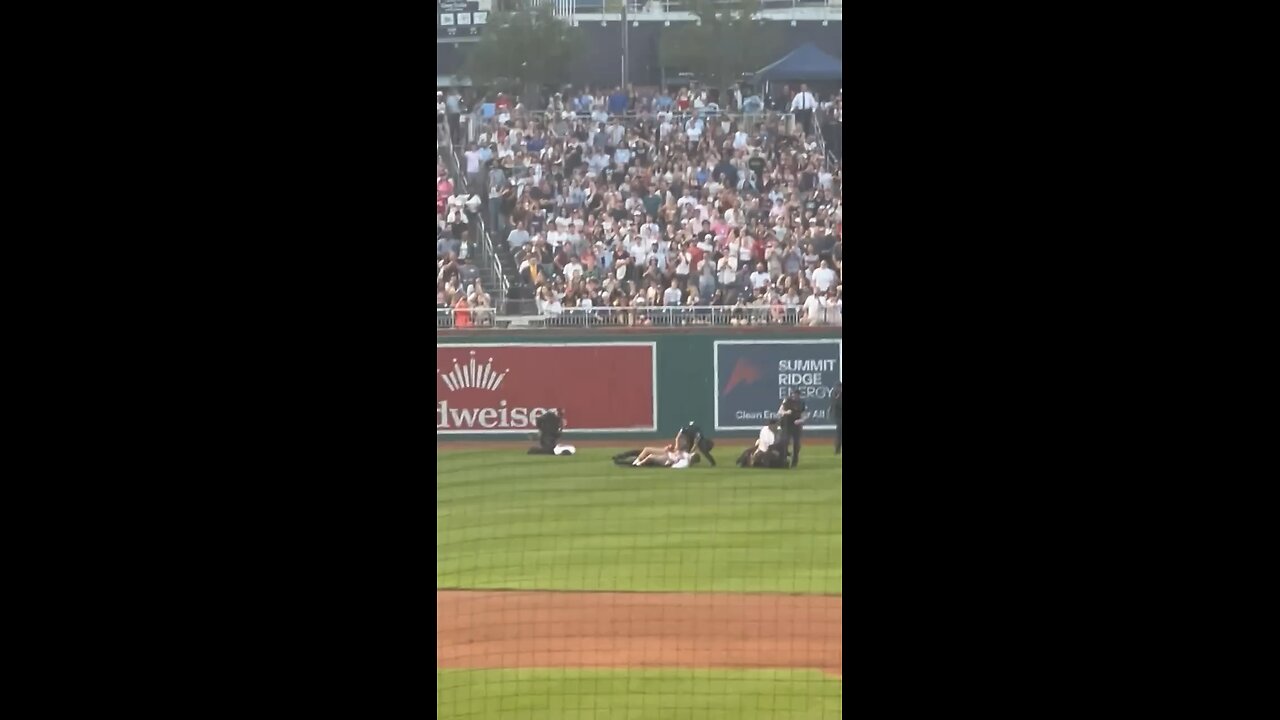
[572,587]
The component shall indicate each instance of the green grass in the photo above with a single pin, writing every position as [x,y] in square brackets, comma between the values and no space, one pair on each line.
[508,520]
[636,695]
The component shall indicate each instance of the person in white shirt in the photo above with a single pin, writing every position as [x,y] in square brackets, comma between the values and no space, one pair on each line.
[638,250]
[650,232]
[672,295]
[760,278]
[728,274]
[803,105]
[473,166]
[762,455]
[683,266]
[832,308]
[824,277]
[740,140]
[572,269]
[455,215]
[814,312]
[694,131]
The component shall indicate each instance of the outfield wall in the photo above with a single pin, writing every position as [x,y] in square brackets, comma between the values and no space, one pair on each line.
[629,384]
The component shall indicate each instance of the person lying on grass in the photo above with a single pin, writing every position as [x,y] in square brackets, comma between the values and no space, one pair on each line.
[660,456]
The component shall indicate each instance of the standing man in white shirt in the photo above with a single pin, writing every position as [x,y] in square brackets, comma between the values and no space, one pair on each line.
[824,277]
[803,105]
[814,311]
[473,167]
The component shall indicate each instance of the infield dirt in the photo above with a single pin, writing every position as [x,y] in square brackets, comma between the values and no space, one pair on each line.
[519,629]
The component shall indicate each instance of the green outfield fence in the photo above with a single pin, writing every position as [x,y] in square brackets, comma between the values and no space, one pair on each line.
[571,587]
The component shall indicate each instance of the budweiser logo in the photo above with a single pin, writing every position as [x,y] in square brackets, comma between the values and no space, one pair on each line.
[471,375]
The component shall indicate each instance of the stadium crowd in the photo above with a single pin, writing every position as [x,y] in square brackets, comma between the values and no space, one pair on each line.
[647,202]
[458,285]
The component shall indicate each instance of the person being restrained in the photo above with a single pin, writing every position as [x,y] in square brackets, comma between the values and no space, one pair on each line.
[770,450]
[661,457]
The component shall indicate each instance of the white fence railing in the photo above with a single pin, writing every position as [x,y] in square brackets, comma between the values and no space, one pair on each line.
[654,317]
[642,8]
[474,124]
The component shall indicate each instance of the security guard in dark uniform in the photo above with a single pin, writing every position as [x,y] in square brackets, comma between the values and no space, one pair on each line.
[550,426]
[690,439]
[837,411]
[792,416]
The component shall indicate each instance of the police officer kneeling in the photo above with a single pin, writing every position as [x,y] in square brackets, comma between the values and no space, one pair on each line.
[691,440]
[549,427]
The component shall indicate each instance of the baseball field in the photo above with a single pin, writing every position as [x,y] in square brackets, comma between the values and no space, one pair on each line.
[568,587]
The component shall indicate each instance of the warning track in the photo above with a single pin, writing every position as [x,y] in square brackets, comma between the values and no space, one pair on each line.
[519,629]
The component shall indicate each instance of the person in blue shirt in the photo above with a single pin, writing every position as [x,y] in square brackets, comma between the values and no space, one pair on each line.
[664,101]
[617,102]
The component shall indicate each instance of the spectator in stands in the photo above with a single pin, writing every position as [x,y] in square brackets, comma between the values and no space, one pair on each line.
[824,278]
[760,278]
[600,192]
[617,102]
[814,312]
[474,160]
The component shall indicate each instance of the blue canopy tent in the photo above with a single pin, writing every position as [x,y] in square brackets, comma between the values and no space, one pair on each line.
[806,62]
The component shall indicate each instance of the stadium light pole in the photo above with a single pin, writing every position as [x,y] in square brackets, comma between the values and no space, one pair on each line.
[625,3]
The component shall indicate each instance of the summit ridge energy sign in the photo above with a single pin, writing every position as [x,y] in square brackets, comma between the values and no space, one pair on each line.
[753,377]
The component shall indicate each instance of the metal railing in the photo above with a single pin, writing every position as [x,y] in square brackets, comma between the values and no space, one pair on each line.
[502,286]
[639,9]
[447,318]
[694,316]
[474,124]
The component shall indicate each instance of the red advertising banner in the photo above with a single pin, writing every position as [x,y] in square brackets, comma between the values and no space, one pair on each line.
[504,388]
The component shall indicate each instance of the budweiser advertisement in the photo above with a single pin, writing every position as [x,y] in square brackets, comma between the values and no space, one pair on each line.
[504,388]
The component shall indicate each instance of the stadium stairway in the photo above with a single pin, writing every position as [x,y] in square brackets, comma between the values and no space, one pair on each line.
[476,252]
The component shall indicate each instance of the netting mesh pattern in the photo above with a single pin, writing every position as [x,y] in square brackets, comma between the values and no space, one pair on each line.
[574,588]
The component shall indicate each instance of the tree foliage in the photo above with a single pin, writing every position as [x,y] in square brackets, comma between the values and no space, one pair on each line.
[724,44]
[527,46]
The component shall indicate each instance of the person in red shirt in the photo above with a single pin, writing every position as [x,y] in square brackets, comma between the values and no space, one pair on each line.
[695,256]
[462,313]
[444,188]
[758,251]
